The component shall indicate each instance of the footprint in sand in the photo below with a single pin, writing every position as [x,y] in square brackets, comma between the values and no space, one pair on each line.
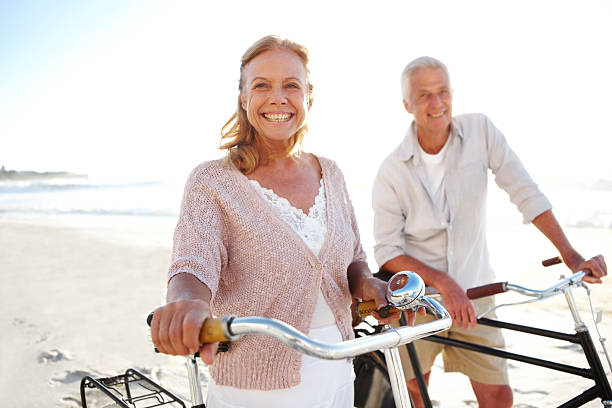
[93,401]
[33,333]
[52,356]
[573,347]
[517,391]
[72,377]
[71,401]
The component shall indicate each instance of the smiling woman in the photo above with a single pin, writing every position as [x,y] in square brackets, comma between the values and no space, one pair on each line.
[287,81]
[270,231]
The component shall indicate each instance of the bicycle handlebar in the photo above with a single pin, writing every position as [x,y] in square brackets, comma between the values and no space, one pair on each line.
[501,287]
[229,328]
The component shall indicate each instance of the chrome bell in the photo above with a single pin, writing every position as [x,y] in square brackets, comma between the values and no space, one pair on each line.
[405,290]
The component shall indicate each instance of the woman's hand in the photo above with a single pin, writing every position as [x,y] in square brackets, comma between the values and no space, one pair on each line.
[175,328]
[375,289]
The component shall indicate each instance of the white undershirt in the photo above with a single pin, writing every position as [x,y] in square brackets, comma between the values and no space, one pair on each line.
[312,228]
[435,167]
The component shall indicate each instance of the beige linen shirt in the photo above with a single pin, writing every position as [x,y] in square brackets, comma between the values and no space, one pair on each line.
[407,221]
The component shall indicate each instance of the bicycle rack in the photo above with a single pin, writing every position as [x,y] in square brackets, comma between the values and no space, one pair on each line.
[131,390]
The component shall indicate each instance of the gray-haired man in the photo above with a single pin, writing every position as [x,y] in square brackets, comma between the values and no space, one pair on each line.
[429,201]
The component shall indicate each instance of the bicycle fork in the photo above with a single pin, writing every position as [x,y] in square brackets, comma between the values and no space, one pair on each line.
[599,373]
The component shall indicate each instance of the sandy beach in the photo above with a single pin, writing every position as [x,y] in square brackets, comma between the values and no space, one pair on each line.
[75,296]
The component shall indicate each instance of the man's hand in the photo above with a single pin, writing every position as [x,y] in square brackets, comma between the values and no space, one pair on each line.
[457,303]
[595,267]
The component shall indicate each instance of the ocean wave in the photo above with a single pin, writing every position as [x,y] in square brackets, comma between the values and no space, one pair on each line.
[65,185]
[599,219]
[45,212]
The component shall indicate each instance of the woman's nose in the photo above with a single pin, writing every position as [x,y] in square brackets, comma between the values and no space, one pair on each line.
[278,96]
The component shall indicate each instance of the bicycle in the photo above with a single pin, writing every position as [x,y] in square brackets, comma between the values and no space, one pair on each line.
[405,291]
[595,371]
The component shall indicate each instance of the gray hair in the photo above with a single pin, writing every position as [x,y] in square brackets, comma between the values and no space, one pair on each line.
[421,62]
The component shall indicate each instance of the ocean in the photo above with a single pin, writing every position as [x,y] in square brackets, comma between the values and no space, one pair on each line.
[60,198]
[575,205]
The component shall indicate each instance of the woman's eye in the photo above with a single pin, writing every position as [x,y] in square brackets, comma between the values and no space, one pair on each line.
[259,85]
[293,85]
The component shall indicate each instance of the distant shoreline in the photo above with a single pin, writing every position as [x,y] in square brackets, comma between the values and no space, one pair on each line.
[13,175]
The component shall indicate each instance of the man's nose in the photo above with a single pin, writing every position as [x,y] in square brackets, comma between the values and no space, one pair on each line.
[436,99]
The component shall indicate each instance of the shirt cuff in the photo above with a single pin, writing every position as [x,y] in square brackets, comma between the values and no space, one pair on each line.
[534,208]
[384,255]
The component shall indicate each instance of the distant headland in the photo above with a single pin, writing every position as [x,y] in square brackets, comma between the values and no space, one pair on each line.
[14,175]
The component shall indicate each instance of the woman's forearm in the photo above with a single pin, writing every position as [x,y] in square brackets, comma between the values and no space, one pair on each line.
[185,286]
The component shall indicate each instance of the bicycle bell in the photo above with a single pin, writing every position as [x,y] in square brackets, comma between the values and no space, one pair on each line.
[405,290]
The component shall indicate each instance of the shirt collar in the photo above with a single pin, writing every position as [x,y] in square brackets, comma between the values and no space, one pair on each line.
[409,144]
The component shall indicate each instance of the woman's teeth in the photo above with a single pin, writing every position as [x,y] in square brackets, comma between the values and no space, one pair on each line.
[277,117]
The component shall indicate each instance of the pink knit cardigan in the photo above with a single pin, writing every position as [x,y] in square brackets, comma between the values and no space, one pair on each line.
[254,264]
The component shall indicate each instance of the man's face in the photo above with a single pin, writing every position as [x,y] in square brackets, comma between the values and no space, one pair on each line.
[430,100]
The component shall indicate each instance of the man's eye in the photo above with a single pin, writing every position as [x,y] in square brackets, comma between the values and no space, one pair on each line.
[293,85]
[259,85]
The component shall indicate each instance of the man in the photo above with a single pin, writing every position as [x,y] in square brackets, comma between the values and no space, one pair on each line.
[429,201]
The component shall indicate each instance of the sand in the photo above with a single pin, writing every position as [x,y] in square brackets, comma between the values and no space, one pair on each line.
[76,292]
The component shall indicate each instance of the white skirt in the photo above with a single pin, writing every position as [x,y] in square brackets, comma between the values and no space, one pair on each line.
[325,384]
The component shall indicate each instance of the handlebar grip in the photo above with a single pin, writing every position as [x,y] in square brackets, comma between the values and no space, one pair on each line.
[150,318]
[552,261]
[486,290]
[366,309]
[212,331]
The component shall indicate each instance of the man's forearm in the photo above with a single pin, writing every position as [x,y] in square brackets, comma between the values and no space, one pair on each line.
[549,226]
[431,276]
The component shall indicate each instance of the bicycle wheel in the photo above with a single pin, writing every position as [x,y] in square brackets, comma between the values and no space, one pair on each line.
[372,386]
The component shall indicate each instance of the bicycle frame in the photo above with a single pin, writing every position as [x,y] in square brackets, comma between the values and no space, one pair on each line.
[595,372]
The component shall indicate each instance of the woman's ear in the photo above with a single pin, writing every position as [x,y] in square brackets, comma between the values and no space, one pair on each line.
[243,101]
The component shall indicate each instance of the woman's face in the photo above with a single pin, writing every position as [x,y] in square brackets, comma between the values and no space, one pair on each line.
[275,95]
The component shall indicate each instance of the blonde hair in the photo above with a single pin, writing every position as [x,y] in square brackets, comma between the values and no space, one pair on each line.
[238,133]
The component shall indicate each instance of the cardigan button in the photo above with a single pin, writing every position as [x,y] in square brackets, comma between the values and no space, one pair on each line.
[319,266]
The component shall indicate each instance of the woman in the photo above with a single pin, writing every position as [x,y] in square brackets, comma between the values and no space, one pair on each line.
[268,231]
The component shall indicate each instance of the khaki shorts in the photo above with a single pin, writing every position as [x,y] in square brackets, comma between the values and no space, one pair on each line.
[479,367]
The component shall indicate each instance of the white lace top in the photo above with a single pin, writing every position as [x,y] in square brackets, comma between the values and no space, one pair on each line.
[312,228]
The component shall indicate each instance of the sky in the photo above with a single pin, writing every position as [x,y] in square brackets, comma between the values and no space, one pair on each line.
[139,90]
